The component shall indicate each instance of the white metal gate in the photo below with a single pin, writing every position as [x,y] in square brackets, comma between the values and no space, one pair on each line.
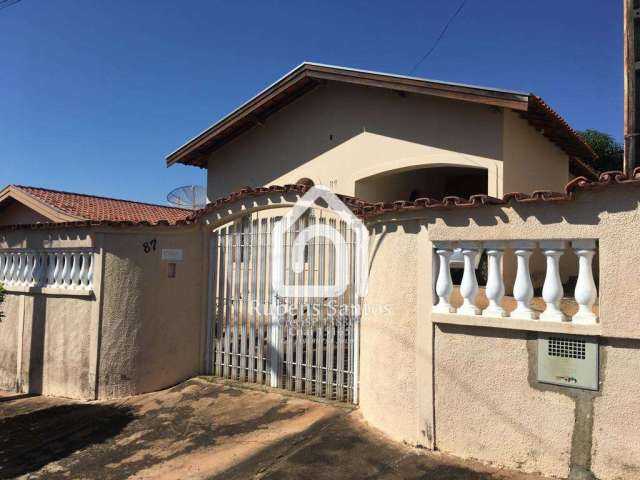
[307,345]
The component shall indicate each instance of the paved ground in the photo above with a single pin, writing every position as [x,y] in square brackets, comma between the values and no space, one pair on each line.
[204,429]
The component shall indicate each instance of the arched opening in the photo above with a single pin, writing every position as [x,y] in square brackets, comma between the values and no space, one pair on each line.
[432,182]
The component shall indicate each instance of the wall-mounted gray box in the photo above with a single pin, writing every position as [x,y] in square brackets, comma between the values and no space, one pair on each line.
[568,360]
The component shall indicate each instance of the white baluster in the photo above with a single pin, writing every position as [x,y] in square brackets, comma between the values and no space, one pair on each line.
[552,291]
[90,271]
[586,292]
[75,270]
[37,266]
[522,287]
[51,269]
[33,266]
[11,268]
[7,267]
[26,268]
[435,264]
[17,273]
[66,273]
[469,284]
[444,285]
[59,270]
[18,262]
[3,265]
[44,269]
[495,284]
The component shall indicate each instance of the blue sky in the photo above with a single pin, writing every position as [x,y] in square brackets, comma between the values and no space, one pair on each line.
[94,94]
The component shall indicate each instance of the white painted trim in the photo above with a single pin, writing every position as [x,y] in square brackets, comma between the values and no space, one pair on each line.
[518,324]
[48,291]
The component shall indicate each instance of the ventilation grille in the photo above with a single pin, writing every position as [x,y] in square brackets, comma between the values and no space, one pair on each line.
[567,348]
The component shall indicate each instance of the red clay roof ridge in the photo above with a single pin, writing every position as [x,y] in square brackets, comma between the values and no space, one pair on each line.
[87,195]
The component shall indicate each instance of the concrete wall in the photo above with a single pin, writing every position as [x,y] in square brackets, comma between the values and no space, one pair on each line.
[137,331]
[339,134]
[152,329]
[486,402]
[46,338]
[9,329]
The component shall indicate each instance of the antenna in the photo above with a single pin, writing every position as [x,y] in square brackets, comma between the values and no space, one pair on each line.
[191,197]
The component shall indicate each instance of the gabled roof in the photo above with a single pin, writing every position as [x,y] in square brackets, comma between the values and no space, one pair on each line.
[307,76]
[61,206]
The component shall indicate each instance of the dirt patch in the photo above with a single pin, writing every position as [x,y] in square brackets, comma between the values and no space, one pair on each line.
[204,429]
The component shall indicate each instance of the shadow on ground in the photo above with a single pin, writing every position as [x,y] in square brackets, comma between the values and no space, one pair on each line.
[32,440]
[344,448]
[204,429]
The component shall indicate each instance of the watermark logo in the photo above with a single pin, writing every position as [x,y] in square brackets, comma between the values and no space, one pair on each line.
[357,253]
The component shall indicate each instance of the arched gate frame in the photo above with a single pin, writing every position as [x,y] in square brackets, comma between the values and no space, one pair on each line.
[307,344]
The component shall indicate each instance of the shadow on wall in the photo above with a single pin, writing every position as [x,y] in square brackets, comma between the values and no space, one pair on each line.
[37,343]
[334,114]
[586,210]
[30,441]
[380,231]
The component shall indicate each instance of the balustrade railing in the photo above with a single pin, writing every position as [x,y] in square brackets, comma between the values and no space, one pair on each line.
[70,269]
[585,293]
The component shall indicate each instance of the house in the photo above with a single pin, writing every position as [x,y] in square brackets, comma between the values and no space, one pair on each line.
[20,205]
[126,298]
[382,137]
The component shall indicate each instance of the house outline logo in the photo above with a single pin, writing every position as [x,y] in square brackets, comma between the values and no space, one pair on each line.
[335,240]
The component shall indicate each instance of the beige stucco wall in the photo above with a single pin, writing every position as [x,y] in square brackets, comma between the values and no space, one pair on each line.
[9,328]
[486,402]
[137,331]
[152,325]
[616,429]
[46,338]
[486,408]
[339,134]
[45,345]
[531,161]
[387,377]
[16,213]
[55,346]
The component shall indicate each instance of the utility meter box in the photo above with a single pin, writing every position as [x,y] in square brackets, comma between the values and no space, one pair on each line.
[567,360]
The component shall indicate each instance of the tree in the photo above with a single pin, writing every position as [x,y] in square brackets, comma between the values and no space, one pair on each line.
[609,151]
[1,299]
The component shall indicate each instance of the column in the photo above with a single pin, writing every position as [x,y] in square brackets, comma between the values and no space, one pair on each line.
[552,291]
[586,292]
[444,285]
[495,283]
[523,287]
[469,284]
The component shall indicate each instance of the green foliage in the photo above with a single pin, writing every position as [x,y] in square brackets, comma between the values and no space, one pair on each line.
[609,151]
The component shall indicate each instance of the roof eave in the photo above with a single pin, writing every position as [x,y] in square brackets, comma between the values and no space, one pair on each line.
[46,210]
[321,73]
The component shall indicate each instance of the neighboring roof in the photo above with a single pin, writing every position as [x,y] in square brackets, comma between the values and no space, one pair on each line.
[61,206]
[307,76]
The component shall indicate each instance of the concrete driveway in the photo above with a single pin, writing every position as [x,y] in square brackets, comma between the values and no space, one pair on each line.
[209,429]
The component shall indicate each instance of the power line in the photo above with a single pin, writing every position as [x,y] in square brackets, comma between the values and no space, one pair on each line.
[7,3]
[435,44]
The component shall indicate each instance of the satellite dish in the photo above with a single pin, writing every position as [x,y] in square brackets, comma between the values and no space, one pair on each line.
[191,197]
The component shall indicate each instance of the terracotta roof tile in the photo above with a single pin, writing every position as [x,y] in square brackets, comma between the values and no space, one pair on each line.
[103,209]
[136,211]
